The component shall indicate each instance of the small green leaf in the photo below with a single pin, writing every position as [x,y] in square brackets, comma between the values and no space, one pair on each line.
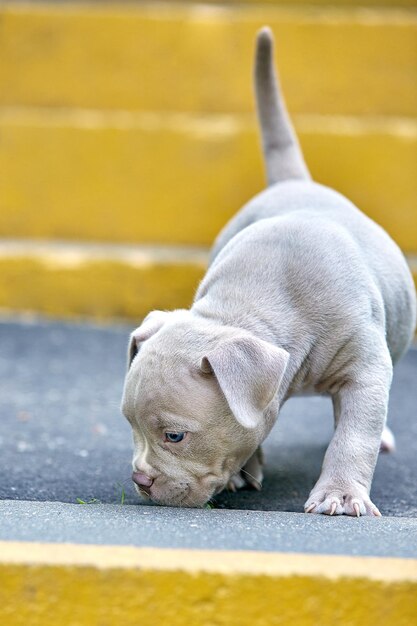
[123,493]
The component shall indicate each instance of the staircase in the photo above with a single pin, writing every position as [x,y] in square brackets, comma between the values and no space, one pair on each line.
[128,137]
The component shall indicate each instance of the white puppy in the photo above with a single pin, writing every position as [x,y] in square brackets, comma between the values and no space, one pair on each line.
[304,294]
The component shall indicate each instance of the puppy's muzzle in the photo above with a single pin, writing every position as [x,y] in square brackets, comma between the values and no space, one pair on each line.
[143,481]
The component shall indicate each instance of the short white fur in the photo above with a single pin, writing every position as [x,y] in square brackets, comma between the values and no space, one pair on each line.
[304,292]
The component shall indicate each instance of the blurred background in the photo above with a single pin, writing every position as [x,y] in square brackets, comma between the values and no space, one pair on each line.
[128,137]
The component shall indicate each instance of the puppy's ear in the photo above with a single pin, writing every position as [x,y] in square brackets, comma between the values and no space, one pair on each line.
[249,372]
[150,325]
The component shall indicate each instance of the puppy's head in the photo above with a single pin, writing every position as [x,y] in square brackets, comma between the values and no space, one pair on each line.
[199,397]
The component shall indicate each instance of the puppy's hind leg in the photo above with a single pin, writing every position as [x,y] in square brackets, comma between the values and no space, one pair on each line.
[387,440]
[361,407]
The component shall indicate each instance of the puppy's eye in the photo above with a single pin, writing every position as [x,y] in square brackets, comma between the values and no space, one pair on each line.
[174,437]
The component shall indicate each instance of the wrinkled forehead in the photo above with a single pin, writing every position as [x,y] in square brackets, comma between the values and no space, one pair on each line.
[166,387]
[160,374]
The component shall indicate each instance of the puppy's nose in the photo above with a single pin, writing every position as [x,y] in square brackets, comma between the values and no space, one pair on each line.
[142,479]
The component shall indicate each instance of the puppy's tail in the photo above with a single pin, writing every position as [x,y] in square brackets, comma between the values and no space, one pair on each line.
[282,153]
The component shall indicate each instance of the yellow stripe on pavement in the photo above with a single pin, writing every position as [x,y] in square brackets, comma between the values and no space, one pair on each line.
[49,584]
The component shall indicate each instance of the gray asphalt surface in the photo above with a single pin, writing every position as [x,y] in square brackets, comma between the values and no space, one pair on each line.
[62,436]
[166,527]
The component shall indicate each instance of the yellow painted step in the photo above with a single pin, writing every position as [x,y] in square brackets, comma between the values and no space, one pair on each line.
[196,58]
[49,584]
[178,179]
[101,281]
[304,3]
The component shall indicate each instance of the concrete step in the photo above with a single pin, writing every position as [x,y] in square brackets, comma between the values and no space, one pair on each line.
[191,57]
[123,123]
[178,178]
[64,279]
[96,280]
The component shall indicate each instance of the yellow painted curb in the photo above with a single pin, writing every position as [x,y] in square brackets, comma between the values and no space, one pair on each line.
[45,584]
[304,3]
[176,178]
[162,56]
[97,281]
[326,3]
[101,281]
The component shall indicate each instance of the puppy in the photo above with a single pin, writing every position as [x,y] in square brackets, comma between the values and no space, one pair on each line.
[304,293]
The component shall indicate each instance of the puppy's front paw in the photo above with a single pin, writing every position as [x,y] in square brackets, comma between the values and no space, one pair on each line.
[250,475]
[331,500]
[236,482]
